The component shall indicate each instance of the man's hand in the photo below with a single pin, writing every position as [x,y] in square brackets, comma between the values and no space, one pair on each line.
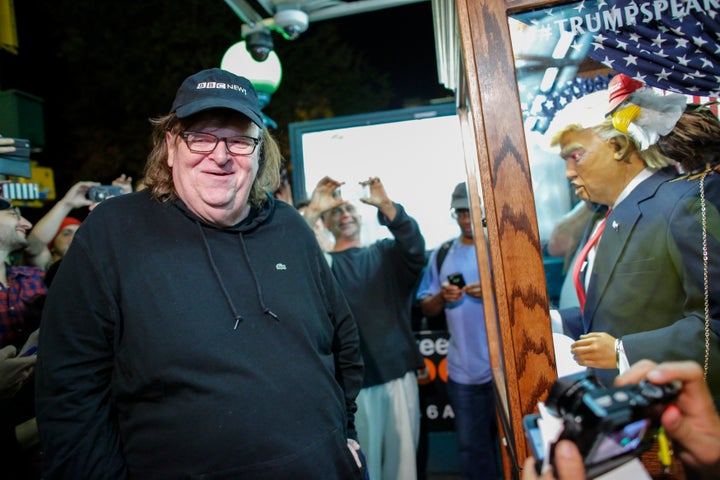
[568,464]
[379,198]
[76,197]
[595,349]
[354,447]
[450,293]
[473,289]
[14,371]
[124,182]
[7,145]
[692,422]
[322,200]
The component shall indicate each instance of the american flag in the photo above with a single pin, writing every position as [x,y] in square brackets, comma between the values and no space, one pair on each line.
[669,44]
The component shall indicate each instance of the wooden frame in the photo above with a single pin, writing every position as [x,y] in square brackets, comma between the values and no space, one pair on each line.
[519,331]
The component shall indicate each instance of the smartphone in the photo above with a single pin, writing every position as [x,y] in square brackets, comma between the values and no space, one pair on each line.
[22,148]
[31,345]
[98,194]
[352,192]
[30,351]
[456,279]
[534,440]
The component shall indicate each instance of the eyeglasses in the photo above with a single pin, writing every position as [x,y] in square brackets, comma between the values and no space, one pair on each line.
[465,214]
[200,142]
[15,212]
[460,213]
[341,210]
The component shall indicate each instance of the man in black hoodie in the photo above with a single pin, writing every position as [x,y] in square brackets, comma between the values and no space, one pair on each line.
[194,329]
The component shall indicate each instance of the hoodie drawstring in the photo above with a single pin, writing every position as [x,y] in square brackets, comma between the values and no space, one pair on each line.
[236,315]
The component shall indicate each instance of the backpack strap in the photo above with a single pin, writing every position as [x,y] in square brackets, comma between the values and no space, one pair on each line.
[442,253]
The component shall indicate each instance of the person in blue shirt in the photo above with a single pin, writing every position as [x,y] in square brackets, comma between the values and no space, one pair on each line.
[469,386]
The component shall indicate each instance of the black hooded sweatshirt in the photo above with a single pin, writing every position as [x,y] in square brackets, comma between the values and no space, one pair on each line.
[174,349]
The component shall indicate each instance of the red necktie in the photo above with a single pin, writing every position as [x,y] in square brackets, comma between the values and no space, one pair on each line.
[581,260]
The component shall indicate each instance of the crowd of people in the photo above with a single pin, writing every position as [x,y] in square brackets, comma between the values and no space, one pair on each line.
[200,327]
[33,254]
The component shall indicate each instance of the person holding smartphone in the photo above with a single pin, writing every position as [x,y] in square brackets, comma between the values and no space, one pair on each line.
[378,281]
[453,285]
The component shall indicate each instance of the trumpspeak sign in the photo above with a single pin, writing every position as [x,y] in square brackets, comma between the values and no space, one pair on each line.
[592,18]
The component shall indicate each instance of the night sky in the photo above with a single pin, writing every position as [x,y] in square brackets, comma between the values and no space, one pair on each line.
[103,68]
[400,41]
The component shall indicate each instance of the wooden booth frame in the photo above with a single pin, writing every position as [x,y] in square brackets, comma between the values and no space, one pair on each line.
[510,259]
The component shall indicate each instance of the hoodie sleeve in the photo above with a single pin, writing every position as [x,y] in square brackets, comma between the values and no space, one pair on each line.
[409,242]
[430,281]
[78,431]
[349,371]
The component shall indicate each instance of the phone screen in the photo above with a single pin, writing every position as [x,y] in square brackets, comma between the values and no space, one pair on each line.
[534,440]
[30,351]
[456,279]
[617,443]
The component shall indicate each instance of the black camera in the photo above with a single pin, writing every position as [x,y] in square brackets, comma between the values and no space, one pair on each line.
[17,162]
[610,426]
[98,194]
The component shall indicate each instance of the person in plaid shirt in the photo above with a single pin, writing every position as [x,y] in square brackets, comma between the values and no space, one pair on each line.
[19,285]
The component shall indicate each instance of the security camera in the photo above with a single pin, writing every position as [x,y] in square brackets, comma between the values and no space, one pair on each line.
[259,44]
[291,22]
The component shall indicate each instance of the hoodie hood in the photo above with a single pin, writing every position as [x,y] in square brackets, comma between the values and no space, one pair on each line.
[257,216]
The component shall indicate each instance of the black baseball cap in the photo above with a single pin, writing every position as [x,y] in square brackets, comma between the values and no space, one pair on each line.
[217,88]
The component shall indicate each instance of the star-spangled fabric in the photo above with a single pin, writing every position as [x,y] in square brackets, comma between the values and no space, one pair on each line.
[673,44]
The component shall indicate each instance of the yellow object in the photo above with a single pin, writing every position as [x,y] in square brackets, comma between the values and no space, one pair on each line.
[622,118]
[8,28]
[664,452]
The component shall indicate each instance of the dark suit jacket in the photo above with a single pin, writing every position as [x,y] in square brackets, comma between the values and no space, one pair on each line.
[647,280]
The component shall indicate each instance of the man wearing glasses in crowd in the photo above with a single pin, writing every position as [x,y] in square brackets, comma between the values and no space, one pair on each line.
[378,281]
[20,286]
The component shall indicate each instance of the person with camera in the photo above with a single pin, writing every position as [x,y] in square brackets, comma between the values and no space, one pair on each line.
[453,286]
[378,281]
[56,229]
[194,329]
[691,422]
[42,249]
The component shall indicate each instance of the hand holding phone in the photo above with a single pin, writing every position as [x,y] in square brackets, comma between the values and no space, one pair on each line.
[102,192]
[14,147]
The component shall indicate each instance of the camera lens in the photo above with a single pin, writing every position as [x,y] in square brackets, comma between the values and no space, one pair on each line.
[567,392]
[651,391]
[259,45]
